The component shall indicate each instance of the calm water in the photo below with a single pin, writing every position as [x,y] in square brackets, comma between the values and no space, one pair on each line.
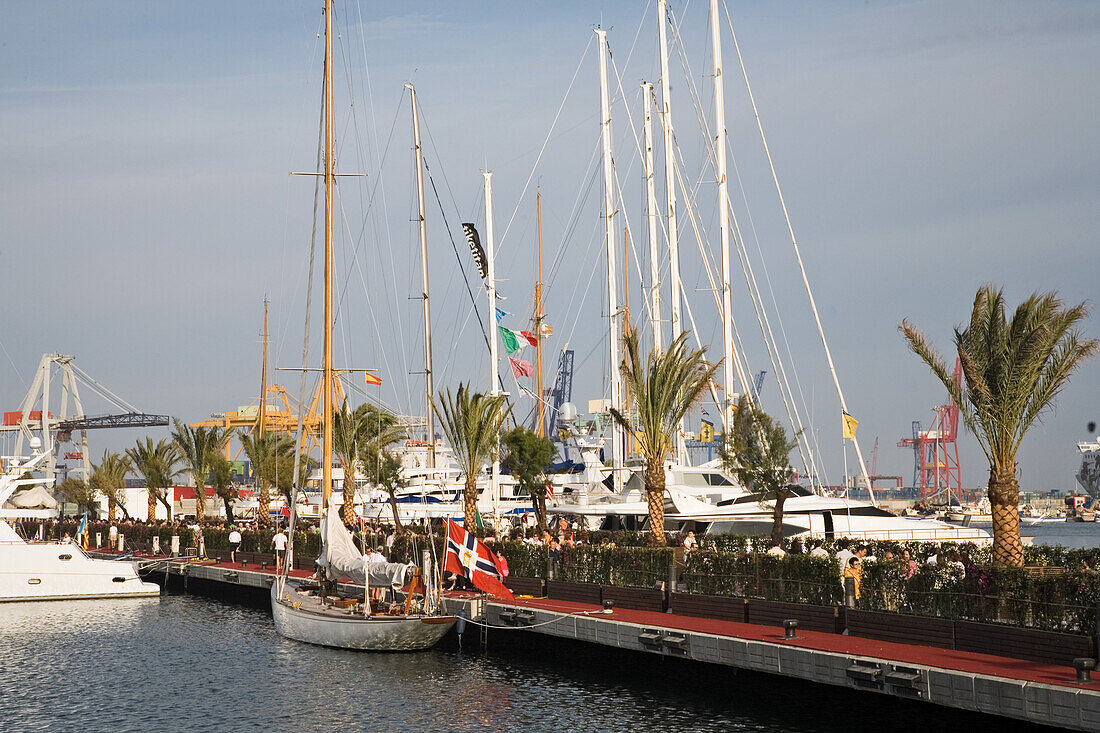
[187,663]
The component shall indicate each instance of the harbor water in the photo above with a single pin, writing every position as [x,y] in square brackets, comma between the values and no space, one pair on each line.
[187,663]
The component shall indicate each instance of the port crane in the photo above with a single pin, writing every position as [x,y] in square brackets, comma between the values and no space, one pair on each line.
[35,414]
[936,467]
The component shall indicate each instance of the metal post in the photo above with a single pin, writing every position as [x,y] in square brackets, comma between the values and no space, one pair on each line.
[850,592]
[494,366]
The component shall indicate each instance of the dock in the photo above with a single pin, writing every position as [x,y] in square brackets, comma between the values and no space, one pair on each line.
[1036,692]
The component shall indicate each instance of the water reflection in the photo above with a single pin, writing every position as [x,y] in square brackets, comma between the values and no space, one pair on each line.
[187,663]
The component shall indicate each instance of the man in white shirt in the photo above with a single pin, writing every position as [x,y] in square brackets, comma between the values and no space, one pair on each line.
[279,542]
[234,543]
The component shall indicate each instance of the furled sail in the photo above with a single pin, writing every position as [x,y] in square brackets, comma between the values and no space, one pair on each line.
[341,558]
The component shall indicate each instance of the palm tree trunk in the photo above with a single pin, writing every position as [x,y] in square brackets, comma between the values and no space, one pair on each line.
[396,516]
[163,499]
[262,517]
[152,505]
[200,503]
[110,508]
[655,493]
[1004,498]
[469,504]
[777,518]
[347,512]
[540,512]
[228,510]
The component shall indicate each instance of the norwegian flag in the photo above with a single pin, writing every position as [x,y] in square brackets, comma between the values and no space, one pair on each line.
[469,558]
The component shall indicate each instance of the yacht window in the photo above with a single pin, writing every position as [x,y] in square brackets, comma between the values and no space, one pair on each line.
[64,557]
[118,580]
[34,581]
[717,479]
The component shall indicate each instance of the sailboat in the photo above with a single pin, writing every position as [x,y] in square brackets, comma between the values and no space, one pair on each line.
[320,612]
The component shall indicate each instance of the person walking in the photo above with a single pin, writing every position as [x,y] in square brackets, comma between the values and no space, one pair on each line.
[234,543]
[279,543]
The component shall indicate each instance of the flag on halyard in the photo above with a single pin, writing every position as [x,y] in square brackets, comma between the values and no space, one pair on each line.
[531,338]
[521,368]
[372,379]
[704,411]
[501,313]
[476,249]
[850,425]
[469,558]
[508,336]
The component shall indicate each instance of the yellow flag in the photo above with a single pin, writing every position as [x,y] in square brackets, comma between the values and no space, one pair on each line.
[850,425]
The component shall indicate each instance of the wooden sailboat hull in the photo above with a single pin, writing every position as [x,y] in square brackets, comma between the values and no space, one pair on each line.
[343,630]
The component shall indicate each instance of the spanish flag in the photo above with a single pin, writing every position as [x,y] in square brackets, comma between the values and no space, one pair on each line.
[850,425]
[371,379]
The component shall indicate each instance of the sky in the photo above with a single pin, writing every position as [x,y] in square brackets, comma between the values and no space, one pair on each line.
[923,149]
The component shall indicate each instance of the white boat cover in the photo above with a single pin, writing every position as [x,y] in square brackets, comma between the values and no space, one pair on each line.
[340,556]
[34,498]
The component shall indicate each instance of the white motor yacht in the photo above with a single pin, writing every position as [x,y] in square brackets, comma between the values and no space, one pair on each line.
[42,571]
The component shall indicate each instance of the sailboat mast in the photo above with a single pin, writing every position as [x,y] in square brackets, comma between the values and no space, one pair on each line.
[428,381]
[490,314]
[651,215]
[670,193]
[723,218]
[613,331]
[326,381]
[263,384]
[538,324]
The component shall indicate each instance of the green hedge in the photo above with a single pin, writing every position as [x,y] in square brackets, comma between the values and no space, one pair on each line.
[794,578]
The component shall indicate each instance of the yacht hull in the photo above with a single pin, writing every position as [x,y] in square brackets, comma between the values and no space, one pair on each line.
[310,623]
[60,571]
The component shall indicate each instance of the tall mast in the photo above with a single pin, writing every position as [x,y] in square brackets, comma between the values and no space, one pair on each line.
[723,218]
[491,315]
[538,324]
[651,215]
[670,193]
[326,380]
[613,331]
[263,384]
[429,385]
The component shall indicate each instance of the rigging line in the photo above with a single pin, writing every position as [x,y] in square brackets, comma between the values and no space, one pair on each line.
[798,253]
[12,362]
[545,142]
[766,329]
[393,308]
[573,221]
[366,291]
[281,337]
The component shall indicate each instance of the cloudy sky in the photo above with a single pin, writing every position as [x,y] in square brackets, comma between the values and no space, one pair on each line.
[924,148]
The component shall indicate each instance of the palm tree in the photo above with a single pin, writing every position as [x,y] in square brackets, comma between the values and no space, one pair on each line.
[195,446]
[221,474]
[384,469]
[472,422]
[78,491]
[264,451]
[1014,370]
[109,479]
[357,437]
[159,465]
[757,452]
[529,454]
[664,388]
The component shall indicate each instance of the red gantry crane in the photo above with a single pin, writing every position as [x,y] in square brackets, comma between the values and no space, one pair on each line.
[936,466]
